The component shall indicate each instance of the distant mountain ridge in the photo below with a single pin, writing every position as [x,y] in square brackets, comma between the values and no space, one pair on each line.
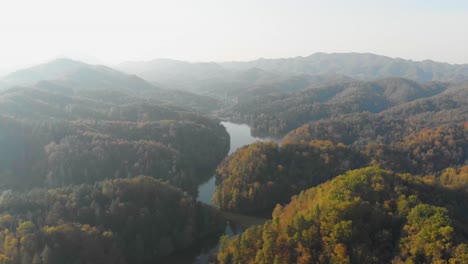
[214,80]
[168,69]
[77,75]
[365,66]
[360,66]
[78,79]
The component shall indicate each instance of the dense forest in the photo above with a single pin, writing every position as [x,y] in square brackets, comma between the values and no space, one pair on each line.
[99,166]
[58,153]
[89,126]
[75,142]
[135,220]
[368,215]
[422,137]
[277,114]
[257,177]
[405,207]
[260,175]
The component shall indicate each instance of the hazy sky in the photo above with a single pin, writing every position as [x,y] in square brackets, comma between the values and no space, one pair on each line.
[111,31]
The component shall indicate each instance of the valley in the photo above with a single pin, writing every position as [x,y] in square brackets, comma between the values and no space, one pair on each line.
[254,162]
[233,132]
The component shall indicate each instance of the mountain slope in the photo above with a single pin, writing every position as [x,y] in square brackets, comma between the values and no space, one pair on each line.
[236,81]
[364,216]
[55,69]
[118,221]
[97,82]
[279,113]
[214,80]
[77,75]
[43,119]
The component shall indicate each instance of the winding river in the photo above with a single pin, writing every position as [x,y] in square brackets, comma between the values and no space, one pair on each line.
[240,136]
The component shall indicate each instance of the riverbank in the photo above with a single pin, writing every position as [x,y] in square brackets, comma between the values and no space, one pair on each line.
[241,220]
[206,249]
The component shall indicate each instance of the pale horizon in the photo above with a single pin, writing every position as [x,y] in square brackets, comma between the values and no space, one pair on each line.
[110,32]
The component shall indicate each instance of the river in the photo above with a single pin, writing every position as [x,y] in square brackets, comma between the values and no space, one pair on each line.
[240,136]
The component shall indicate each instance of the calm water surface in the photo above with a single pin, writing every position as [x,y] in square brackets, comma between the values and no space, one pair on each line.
[240,136]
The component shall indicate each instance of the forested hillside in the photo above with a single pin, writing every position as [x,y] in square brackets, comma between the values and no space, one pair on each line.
[260,175]
[65,77]
[257,177]
[89,123]
[75,140]
[117,221]
[58,153]
[233,132]
[278,114]
[364,216]
[406,208]
[422,137]
[97,166]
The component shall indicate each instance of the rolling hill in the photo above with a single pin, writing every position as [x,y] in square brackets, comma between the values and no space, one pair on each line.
[77,79]
[276,114]
[234,82]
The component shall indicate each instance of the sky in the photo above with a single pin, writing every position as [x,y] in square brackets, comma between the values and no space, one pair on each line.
[112,31]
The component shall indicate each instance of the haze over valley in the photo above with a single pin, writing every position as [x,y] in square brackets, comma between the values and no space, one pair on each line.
[281,132]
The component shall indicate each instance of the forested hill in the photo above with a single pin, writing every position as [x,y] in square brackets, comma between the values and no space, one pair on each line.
[80,80]
[122,142]
[118,221]
[422,137]
[257,177]
[99,166]
[75,130]
[364,216]
[389,126]
[404,204]
[278,114]
[75,140]
[78,75]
